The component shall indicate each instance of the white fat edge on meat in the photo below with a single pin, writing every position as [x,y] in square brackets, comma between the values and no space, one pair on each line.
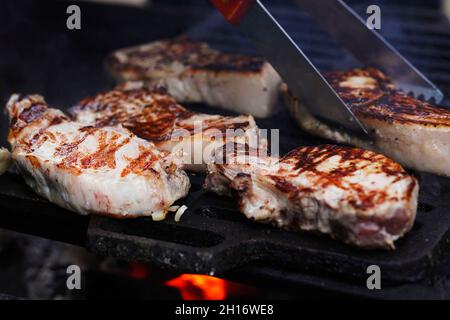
[316,127]
[59,192]
[5,160]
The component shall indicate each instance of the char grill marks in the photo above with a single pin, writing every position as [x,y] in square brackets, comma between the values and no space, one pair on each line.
[153,115]
[91,170]
[150,114]
[370,94]
[33,110]
[71,156]
[193,72]
[351,162]
[142,164]
[103,157]
[180,51]
[358,196]
[408,130]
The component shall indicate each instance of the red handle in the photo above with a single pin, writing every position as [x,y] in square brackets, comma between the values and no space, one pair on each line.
[233,10]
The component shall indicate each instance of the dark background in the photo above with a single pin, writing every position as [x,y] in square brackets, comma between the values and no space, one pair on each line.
[39,55]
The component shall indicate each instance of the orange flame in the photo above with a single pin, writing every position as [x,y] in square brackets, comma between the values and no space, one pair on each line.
[199,287]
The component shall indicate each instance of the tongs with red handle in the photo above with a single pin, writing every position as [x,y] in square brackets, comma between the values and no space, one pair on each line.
[302,77]
[233,10]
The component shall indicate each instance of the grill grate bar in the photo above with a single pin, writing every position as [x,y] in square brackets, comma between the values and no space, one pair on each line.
[420,34]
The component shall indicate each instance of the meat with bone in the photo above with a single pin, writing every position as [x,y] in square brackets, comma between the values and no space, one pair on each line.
[194,72]
[105,171]
[410,131]
[358,196]
[155,116]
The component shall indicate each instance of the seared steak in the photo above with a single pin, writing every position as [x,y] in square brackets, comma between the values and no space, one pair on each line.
[410,131]
[153,115]
[194,72]
[358,196]
[106,171]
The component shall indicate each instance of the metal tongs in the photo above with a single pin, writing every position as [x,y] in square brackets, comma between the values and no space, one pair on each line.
[302,77]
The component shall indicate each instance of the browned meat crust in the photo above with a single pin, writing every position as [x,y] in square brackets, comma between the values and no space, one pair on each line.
[309,159]
[36,111]
[358,196]
[195,55]
[87,169]
[408,130]
[151,114]
[71,158]
[378,99]
[193,72]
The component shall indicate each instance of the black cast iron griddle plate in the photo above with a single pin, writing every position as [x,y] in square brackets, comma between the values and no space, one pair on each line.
[213,237]
[24,211]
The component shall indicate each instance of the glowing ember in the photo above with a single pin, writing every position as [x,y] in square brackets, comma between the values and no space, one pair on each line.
[138,271]
[199,287]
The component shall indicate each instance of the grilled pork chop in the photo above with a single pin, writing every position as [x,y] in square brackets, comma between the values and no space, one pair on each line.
[153,115]
[410,131]
[105,171]
[358,196]
[193,72]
